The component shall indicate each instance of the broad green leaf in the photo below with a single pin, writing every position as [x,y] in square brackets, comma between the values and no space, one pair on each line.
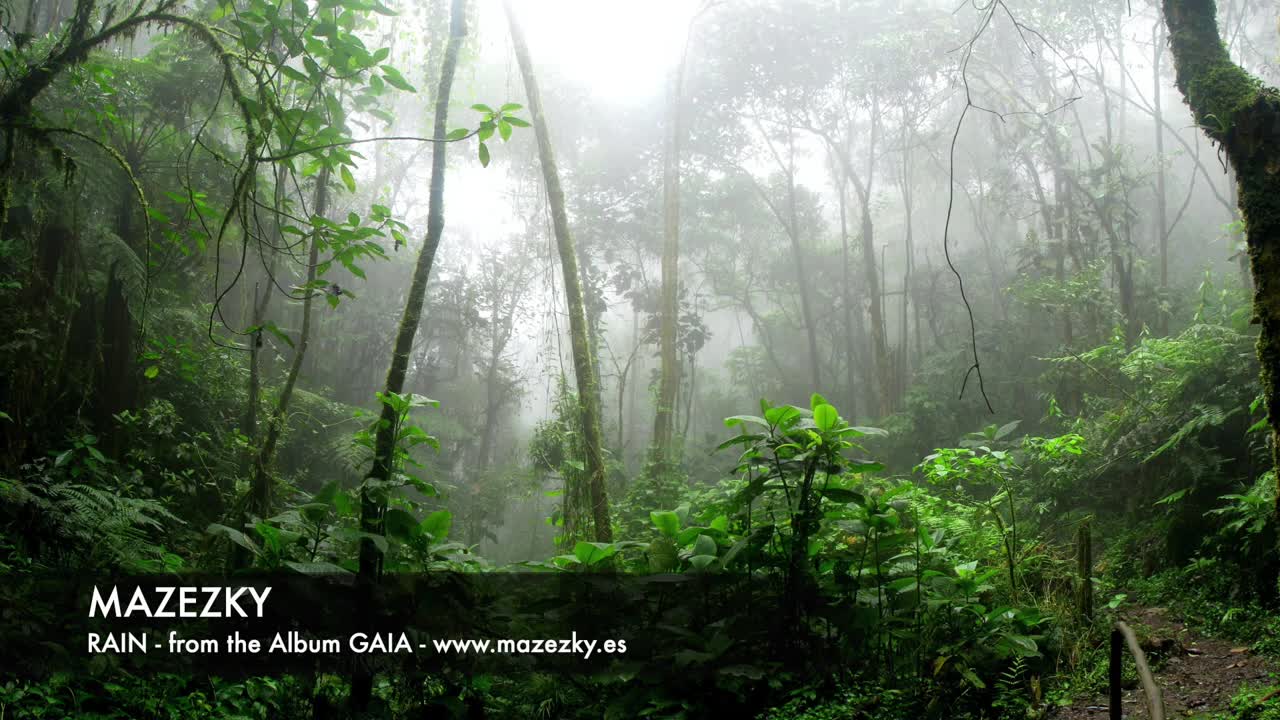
[590,553]
[1024,645]
[437,524]
[315,512]
[825,416]
[667,522]
[395,79]
[1006,429]
[400,523]
[701,561]
[234,536]
[842,495]
[704,545]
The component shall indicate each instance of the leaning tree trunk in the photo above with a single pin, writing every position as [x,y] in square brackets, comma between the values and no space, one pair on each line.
[260,486]
[1243,115]
[583,366]
[372,497]
[371,505]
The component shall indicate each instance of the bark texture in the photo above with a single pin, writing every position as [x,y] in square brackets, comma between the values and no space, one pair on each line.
[583,364]
[1243,116]
[372,504]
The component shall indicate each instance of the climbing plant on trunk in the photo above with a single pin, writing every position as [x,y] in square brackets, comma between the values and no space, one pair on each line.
[1242,115]
[372,496]
[583,366]
[260,487]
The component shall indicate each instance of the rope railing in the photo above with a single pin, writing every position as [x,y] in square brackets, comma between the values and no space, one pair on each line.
[1121,635]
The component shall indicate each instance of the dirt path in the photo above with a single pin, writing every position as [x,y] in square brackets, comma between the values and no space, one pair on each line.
[1197,674]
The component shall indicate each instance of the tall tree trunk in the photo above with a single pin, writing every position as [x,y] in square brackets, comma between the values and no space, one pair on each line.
[908,248]
[1162,222]
[1239,112]
[249,423]
[260,484]
[882,398]
[116,379]
[384,442]
[372,498]
[583,364]
[669,379]
[802,276]
[846,301]
[259,309]
[492,403]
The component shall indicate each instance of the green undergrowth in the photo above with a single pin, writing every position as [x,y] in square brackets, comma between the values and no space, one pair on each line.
[1200,595]
[852,700]
[1252,702]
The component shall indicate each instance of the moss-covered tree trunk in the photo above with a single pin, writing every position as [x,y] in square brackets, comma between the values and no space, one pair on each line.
[1241,114]
[372,496]
[583,365]
[371,500]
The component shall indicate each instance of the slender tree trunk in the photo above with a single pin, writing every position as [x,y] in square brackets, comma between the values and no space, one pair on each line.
[492,403]
[372,497]
[116,380]
[260,485]
[879,346]
[1162,223]
[1239,112]
[583,364]
[634,374]
[846,300]
[690,397]
[29,21]
[669,378]
[881,397]
[259,309]
[908,247]
[249,424]
[802,276]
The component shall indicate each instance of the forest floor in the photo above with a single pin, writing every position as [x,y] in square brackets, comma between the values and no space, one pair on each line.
[1198,675]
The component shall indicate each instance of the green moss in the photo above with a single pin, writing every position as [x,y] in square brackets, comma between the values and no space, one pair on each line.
[1213,86]
[1220,92]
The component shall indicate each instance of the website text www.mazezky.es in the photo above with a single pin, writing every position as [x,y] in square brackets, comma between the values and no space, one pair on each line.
[564,646]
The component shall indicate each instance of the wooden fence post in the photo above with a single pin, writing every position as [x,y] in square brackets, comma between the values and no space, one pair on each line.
[1121,635]
[1115,672]
[1084,567]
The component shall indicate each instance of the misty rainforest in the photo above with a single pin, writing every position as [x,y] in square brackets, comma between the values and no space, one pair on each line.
[885,359]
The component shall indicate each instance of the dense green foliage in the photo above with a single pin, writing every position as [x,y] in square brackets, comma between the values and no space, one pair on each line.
[210,215]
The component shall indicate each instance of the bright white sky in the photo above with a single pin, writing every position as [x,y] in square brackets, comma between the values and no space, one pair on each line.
[620,49]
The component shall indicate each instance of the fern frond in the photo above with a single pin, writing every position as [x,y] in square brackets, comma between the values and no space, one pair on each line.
[106,250]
